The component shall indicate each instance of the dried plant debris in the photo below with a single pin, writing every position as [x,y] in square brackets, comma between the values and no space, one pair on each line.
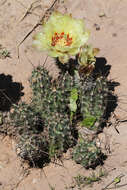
[4,53]
[82,181]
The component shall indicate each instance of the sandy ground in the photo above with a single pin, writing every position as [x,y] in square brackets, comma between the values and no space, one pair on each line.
[107,22]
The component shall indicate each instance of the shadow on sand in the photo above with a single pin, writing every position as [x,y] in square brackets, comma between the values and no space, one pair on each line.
[10,92]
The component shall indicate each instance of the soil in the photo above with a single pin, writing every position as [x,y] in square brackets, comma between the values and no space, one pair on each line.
[107,22]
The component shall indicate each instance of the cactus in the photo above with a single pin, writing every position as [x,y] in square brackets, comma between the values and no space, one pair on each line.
[93,101]
[33,147]
[45,125]
[24,118]
[48,113]
[60,135]
[40,81]
[87,154]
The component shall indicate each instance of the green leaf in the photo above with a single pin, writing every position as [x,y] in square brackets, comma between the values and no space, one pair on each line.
[89,121]
[74,94]
[117,180]
[73,106]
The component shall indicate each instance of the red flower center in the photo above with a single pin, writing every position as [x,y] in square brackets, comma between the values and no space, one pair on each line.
[61,39]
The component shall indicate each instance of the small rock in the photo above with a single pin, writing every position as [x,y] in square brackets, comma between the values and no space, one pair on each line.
[102,14]
[114,34]
[97,27]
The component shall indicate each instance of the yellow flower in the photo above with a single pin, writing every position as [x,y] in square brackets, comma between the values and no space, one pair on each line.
[62,36]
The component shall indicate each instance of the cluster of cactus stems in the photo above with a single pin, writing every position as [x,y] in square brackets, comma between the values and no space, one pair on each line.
[62,110]
[49,125]
[46,127]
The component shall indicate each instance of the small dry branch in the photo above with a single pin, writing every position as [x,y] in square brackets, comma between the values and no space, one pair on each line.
[46,14]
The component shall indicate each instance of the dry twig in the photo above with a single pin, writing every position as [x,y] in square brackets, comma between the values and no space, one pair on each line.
[29,10]
[47,13]
[114,181]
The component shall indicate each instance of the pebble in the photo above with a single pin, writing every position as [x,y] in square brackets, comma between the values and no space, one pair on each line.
[97,27]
